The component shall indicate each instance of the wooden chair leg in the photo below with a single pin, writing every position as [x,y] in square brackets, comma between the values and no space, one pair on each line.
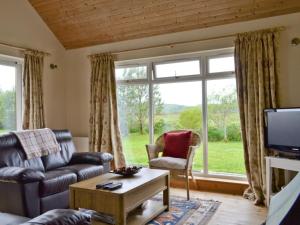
[187,185]
[191,173]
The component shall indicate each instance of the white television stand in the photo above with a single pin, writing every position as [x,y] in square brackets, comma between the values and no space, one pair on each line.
[281,163]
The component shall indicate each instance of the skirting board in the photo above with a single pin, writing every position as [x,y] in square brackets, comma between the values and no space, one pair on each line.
[212,185]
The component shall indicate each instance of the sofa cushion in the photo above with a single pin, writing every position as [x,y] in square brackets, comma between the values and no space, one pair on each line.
[12,154]
[83,171]
[62,158]
[168,163]
[56,181]
[56,201]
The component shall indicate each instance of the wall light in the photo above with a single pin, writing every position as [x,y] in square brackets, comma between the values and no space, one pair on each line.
[53,66]
[295,41]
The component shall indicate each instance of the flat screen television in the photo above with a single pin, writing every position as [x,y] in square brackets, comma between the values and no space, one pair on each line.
[282,130]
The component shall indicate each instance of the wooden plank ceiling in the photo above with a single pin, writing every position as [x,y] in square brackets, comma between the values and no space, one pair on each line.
[80,23]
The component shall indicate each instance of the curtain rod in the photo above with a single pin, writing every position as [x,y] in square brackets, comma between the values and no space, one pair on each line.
[171,45]
[20,48]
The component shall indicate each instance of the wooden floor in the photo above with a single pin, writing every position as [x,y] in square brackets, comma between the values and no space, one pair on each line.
[234,209]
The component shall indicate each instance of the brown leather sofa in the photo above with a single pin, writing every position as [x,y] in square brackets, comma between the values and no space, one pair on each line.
[31,187]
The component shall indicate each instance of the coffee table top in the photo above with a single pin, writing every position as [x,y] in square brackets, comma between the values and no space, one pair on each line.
[129,183]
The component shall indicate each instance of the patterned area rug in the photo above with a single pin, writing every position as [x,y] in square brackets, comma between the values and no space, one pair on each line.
[183,212]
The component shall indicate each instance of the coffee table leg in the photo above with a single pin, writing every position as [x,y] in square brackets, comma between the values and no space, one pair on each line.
[166,193]
[121,218]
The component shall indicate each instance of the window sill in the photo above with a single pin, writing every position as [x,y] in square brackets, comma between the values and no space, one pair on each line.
[211,184]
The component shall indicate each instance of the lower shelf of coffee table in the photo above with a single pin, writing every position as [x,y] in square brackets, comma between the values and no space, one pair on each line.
[151,210]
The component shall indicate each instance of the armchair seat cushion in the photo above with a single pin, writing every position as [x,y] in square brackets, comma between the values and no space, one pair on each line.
[84,171]
[168,163]
[56,181]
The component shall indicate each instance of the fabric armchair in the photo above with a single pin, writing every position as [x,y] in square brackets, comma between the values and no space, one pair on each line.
[176,165]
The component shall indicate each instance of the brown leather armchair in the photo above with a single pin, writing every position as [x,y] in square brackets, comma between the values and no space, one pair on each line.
[32,187]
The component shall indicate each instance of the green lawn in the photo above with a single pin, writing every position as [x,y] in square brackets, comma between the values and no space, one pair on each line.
[226,157]
[3,131]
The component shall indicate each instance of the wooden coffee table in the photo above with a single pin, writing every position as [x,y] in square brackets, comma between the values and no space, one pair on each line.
[134,192]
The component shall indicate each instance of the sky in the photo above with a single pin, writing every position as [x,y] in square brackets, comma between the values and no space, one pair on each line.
[7,77]
[190,93]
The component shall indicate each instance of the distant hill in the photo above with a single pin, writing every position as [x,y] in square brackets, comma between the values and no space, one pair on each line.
[172,108]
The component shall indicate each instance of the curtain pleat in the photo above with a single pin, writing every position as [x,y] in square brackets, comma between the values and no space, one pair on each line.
[257,68]
[33,116]
[104,133]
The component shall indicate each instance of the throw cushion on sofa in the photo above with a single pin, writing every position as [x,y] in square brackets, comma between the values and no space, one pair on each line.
[177,144]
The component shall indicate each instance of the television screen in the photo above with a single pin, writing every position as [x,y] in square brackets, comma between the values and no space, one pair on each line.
[283,129]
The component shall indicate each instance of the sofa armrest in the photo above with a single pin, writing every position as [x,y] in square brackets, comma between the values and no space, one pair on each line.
[97,158]
[20,175]
[61,216]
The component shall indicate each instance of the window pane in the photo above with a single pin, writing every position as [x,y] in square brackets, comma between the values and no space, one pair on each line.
[178,106]
[221,64]
[225,150]
[7,98]
[185,68]
[133,107]
[131,73]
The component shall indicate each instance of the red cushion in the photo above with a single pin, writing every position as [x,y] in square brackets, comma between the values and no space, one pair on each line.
[177,144]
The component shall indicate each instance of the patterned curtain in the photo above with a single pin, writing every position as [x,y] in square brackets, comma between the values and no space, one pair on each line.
[33,117]
[104,126]
[257,68]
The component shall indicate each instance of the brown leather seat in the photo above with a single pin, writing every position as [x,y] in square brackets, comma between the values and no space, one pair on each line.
[56,181]
[83,171]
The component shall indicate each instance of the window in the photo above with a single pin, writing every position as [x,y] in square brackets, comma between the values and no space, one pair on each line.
[224,132]
[133,107]
[10,95]
[177,69]
[221,64]
[196,93]
[131,73]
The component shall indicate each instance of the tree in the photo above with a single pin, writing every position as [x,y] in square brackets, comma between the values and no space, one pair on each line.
[8,110]
[191,118]
[221,106]
[133,102]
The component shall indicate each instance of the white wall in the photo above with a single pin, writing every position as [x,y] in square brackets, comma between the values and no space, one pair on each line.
[21,25]
[78,66]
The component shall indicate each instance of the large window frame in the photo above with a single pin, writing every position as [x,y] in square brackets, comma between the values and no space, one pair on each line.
[204,76]
[18,64]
